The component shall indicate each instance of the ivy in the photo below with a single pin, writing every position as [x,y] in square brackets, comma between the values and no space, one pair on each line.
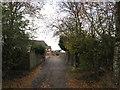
[39,49]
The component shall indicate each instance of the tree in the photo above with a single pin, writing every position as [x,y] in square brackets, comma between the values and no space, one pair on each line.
[61,42]
[90,31]
[116,64]
[15,36]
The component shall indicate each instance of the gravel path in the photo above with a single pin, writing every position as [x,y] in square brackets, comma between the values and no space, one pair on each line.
[52,75]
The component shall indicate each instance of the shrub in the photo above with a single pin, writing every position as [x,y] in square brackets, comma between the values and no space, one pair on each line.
[39,49]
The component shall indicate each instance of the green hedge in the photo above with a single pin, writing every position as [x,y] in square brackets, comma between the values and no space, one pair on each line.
[39,49]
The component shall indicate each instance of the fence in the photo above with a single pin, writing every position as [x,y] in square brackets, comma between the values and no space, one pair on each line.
[35,59]
[69,58]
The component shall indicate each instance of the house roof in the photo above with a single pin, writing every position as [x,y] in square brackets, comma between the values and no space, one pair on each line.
[48,47]
[40,42]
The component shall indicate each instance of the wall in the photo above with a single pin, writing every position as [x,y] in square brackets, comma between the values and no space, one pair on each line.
[70,59]
[35,60]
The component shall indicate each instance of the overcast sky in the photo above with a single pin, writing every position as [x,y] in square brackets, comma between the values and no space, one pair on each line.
[49,13]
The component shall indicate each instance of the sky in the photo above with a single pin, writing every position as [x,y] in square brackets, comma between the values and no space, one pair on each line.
[44,32]
[48,13]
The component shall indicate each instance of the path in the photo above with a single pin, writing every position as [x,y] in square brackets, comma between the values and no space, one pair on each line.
[53,74]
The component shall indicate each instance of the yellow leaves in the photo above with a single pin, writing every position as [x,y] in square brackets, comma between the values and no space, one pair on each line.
[68,45]
[78,46]
[94,49]
[84,9]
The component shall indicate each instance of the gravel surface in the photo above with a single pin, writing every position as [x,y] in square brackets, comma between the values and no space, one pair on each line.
[53,74]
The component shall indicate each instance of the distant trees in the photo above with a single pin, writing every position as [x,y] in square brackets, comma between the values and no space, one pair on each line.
[89,30]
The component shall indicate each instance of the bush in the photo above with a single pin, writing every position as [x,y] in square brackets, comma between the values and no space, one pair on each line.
[18,60]
[39,49]
[90,76]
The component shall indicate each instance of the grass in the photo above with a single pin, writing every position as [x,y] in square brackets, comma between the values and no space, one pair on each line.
[74,70]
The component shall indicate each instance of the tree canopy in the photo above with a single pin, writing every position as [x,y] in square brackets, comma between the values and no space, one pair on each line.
[15,37]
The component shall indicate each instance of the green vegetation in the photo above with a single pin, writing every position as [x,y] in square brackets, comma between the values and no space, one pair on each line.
[61,42]
[93,47]
[16,39]
[93,56]
[39,49]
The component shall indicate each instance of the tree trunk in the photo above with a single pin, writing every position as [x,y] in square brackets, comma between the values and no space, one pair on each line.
[76,60]
[116,60]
